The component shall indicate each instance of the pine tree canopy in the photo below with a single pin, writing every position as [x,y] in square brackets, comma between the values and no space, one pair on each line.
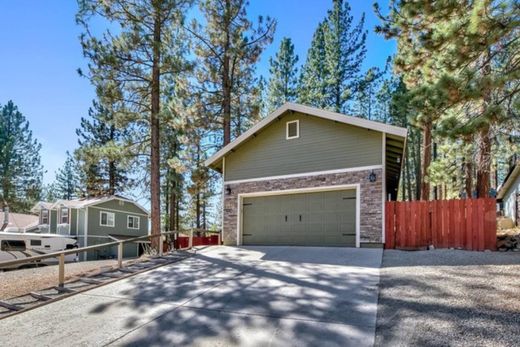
[227,47]
[103,157]
[283,76]
[20,168]
[67,183]
[331,73]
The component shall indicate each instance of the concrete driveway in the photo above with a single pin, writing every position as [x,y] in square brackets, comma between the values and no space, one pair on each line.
[225,296]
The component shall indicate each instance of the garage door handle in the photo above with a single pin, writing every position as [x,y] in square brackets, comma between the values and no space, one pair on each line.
[286,218]
[247,234]
[300,218]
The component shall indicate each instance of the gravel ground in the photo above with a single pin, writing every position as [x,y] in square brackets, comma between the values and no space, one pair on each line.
[18,282]
[449,298]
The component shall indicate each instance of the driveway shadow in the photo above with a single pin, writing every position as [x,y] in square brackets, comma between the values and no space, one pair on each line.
[256,297]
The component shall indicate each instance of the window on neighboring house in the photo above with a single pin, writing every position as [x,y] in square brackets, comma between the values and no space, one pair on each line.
[133,222]
[44,217]
[293,129]
[64,215]
[107,219]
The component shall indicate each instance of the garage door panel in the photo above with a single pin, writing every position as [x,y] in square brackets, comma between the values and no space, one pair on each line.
[317,219]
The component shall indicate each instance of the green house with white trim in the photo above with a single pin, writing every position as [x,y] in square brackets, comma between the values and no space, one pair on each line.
[95,221]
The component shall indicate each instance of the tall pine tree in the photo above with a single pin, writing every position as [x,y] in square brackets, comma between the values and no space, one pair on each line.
[283,80]
[102,153]
[228,47]
[128,65]
[20,169]
[344,54]
[67,184]
[460,62]
[330,77]
[312,84]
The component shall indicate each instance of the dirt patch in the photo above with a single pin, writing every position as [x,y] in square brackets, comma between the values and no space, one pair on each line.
[19,282]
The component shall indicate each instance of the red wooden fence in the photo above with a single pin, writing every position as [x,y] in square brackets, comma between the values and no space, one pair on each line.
[184,241]
[467,224]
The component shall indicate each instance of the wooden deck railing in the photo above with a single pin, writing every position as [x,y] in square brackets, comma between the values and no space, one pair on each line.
[61,254]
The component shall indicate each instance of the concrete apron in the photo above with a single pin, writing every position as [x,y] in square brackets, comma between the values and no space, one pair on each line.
[227,296]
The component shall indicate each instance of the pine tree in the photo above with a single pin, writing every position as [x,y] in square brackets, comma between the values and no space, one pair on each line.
[345,51]
[102,153]
[460,62]
[127,69]
[20,169]
[331,74]
[283,80]
[312,85]
[228,47]
[67,182]
[365,103]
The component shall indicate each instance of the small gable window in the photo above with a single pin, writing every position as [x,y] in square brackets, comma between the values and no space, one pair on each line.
[293,129]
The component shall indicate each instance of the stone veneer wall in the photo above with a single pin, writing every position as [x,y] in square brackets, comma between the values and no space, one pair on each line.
[371,199]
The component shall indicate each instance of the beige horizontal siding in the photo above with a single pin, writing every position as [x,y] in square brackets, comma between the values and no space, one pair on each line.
[322,145]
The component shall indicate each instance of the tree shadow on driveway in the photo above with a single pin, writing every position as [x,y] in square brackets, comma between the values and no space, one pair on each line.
[232,296]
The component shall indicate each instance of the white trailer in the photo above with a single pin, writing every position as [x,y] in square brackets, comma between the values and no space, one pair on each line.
[22,245]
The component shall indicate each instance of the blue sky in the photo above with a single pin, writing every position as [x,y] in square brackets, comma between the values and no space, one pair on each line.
[40,53]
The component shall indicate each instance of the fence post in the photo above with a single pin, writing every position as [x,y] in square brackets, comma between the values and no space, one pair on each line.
[190,244]
[120,255]
[161,245]
[61,271]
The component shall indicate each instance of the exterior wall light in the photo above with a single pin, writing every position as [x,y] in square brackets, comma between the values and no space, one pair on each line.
[372,177]
[228,190]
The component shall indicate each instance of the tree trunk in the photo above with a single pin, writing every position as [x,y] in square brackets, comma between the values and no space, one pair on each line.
[111,178]
[197,209]
[409,177]
[204,226]
[155,193]
[173,205]
[178,213]
[483,162]
[468,173]
[417,165]
[226,81]
[426,160]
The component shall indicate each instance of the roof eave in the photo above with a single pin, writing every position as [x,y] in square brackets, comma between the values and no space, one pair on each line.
[508,182]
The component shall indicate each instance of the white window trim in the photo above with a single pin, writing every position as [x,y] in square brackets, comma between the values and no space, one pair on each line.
[48,217]
[128,222]
[287,137]
[305,174]
[61,215]
[113,219]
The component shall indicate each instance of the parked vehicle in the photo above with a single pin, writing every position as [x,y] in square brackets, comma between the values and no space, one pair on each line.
[21,245]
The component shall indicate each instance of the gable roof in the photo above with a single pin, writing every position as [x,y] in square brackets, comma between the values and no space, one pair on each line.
[508,182]
[21,221]
[81,203]
[325,114]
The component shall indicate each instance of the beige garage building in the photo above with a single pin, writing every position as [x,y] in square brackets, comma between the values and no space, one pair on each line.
[305,176]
